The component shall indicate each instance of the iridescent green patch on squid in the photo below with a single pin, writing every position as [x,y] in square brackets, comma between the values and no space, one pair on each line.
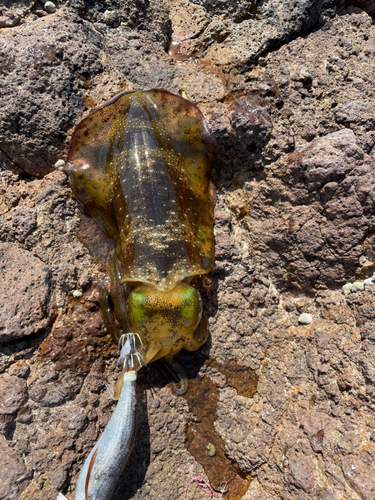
[191,306]
[137,307]
[172,319]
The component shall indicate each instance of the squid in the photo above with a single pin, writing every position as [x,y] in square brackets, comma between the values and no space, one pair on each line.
[141,167]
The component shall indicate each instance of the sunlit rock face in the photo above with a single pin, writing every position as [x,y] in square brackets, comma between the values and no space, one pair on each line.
[290,105]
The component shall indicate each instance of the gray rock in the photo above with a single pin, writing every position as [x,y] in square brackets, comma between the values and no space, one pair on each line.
[237,9]
[354,112]
[44,78]
[23,222]
[252,125]
[35,106]
[327,159]
[13,394]
[252,37]
[302,74]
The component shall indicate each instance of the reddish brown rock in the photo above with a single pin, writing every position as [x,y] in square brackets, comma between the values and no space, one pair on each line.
[13,473]
[11,12]
[24,292]
[13,393]
[294,222]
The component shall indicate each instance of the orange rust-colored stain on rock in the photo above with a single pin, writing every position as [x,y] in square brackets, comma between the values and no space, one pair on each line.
[78,338]
[295,159]
[242,378]
[202,398]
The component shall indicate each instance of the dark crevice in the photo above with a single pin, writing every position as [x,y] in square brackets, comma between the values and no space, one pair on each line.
[28,342]
[11,160]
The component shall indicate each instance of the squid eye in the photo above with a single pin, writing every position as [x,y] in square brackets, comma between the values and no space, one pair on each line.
[137,307]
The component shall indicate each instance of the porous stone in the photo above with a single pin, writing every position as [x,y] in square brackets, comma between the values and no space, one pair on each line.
[293,223]
[11,12]
[13,472]
[354,112]
[24,293]
[51,74]
[13,394]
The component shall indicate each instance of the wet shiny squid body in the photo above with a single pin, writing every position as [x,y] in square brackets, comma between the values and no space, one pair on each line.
[141,167]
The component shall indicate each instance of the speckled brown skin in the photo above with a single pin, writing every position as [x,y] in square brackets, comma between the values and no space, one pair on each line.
[140,165]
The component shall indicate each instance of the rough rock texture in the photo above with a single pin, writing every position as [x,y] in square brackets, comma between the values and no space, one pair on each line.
[11,12]
[287,90]
[24,288]
[355,6]
[41,68]
[41,217]
[14,474]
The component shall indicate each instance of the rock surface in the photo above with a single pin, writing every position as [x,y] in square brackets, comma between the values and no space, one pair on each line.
[294,223]
[24,287]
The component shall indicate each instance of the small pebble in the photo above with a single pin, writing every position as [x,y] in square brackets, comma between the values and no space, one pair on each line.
[301,74]
[211,450]
[347,288]
[50,7]
[77,294]
[305,319]
[358,286]
[369,282]
[59,164]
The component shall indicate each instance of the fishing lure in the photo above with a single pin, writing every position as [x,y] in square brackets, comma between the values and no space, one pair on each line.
[107,460]
[140,164]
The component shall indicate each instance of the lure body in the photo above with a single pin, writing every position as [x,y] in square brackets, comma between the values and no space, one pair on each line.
[108,458]
[141,166]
